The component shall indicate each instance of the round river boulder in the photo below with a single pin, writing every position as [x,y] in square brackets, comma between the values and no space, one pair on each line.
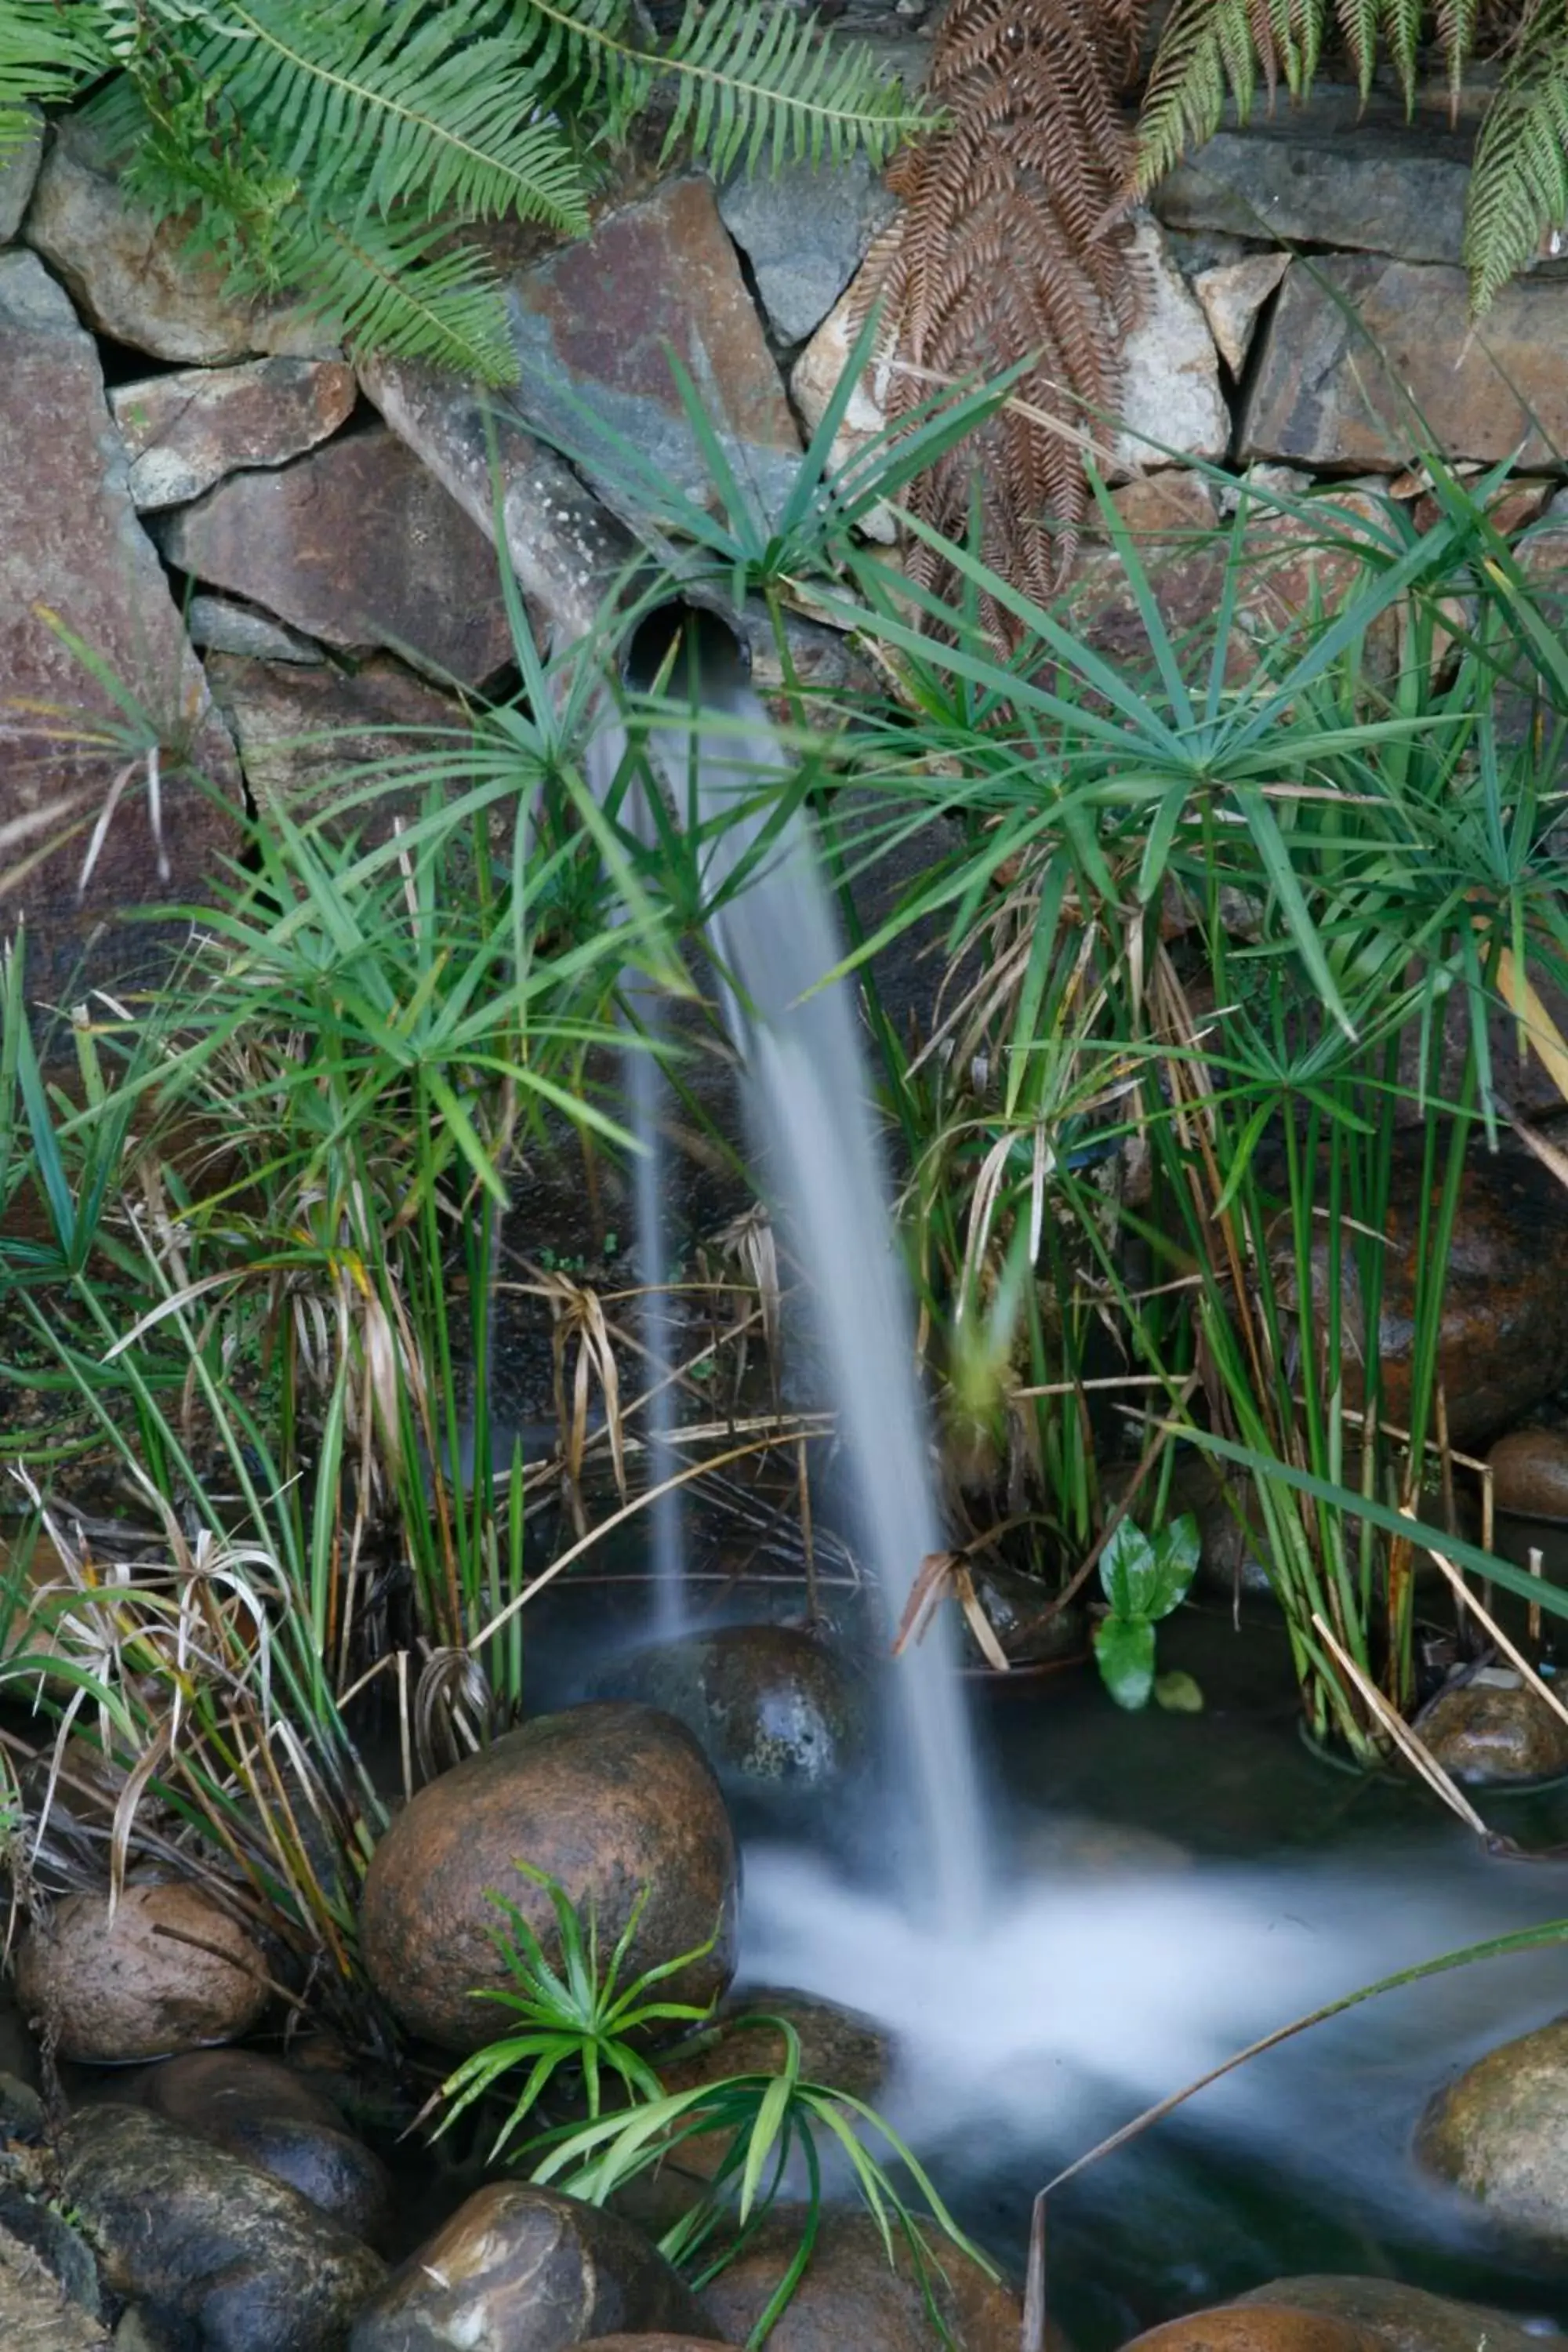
[523,2269]
[770,1704]
[154,1981]
[220,2256]
[852,2299]
[1530,1473]
[265,2113]
[1404,2318]
[608,1799]
[1500,2132]
[1258,2328]
[1494,1727]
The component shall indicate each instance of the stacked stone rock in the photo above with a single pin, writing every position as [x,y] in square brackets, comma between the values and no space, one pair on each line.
[335,581]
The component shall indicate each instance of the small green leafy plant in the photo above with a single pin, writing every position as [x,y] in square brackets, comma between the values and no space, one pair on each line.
[584,2021]
[1144,1577]
[576,2018]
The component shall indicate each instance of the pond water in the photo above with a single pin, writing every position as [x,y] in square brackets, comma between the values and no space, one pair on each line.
[1169,1888]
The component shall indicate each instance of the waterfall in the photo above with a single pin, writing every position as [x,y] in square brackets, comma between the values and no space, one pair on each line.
[807,1105]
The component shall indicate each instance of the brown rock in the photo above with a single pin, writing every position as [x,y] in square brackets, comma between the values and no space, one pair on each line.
[1500,2132]
[1504,1338]
[359,546]
[185,432]
[1257,2327]
[139,1987]
[648,2344]
[1170,520]
[1296,563]
[1530,1473]
[1232,295]
[523,2269]
[1419,370]
[607,1800]
[70,544]
[592,324]
[816,377]
[269,2116]
[301,729]
[1494,1727]
[131,274]
[852,2295]
[1404,2318]
[216,2253]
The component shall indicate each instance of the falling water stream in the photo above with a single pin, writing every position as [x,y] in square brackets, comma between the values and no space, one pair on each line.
[806,1104]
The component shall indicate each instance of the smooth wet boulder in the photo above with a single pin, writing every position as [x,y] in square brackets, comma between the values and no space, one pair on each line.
[221,2257]
[771,1706]
[1530,1473]
[1504,1340]
[523,2269]
[852,2297]
[1404,2318]
[269,2116]
[1257,2327]
[172,1971]
[1500,2132]
[1494,1727]
[37,2313]
[607,1800]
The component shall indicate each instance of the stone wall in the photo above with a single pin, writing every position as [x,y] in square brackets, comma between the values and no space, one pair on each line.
[261,546]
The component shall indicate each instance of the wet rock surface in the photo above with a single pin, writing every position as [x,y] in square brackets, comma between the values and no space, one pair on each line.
[171,1972]
[1504,1338]
[1494,1727]
[70,544]
[270,2117]
[357,545]
[522,2269]
[222,2257]
[1258,2328]
[1404,2318]
[1530,1473]
[185,432]
[1500,2132]
[769,1704]
[852,2295]
[607,1798]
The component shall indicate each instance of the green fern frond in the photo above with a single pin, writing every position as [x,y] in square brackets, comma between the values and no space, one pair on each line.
[1202,44]
[1403,22]
[749,78]
[404,293]
[49,49]
[1358,23]
[358,101]
[1457,23]
[1519,187]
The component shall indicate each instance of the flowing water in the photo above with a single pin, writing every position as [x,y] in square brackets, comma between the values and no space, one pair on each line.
[807,1105]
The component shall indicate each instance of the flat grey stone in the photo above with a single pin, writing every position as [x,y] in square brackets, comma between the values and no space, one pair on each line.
[805,230]
[1327,174]
[19,174]
[216,627]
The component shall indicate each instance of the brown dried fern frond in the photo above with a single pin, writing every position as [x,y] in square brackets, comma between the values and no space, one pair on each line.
[1014,244]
